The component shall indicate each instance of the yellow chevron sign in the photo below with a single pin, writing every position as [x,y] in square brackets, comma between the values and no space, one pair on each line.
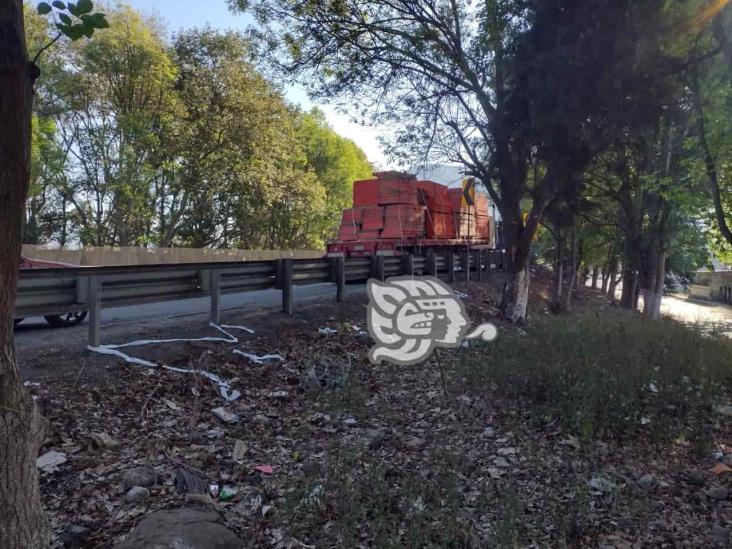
[468,197]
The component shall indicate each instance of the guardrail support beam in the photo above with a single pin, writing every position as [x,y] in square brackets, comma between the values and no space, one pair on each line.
[94,301]
[430,265]
[215,289]
[408,265]
[287,298]
[465,261]
[377,267]
[339,271]
[478,259]
[450,266]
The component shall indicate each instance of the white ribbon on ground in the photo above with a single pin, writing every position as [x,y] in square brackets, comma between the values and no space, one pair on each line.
[222,385]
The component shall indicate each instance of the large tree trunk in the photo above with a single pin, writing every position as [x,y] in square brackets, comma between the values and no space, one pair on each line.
[653,282]
[574,267]
[595,276]
[516,289]
[22,523]
[558,274]
[630,283]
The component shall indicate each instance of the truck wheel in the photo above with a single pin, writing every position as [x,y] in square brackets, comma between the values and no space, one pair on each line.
[65,320]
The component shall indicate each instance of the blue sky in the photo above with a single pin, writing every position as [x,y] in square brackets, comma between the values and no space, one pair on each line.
[184,14]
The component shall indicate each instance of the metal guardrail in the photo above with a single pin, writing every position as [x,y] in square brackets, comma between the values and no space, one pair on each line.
[57,291]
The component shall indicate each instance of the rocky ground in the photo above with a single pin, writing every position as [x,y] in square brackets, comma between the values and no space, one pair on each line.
[323,449]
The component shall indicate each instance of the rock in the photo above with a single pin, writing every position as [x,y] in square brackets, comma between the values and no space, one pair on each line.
[489,432]
[646,481]
[501,462]
[375,438]
[139,476]
[724,409]
[74,536]
[413,443]
[602,485]
[465,400]
[137,494]
[350,421]
[186,528]
[717,493]
[721,535]
[696,478]
[602,450]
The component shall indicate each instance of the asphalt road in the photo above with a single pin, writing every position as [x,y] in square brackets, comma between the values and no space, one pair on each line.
[34,334]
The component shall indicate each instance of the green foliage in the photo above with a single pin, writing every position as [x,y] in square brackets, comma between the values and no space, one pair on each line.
[608,377]
[74,21]
[182,144]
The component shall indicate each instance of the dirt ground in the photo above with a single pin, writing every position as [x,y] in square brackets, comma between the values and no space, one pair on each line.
[328,450]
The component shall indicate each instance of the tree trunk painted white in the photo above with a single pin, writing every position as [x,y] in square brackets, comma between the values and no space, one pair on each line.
[519,287]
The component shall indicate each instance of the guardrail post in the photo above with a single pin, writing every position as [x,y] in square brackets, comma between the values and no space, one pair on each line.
[450,266]
[377,267]
[215,289]
[339,272]
[465,260]
[287,286]
[408,265]
[94,300]
[431,263]
[479,264]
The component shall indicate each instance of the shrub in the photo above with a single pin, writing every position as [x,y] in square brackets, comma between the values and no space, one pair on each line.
[618,376]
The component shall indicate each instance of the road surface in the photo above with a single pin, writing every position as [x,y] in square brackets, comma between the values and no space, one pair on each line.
[34,334]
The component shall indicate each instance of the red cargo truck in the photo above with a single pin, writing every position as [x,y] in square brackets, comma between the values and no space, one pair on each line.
[395,212]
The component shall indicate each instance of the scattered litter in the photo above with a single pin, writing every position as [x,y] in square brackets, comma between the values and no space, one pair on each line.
[645,420]
[187,482]
[213,489]
[49,462]
[227,493]
[258,359]
[103,440]
[172,405]
[265,469]
[239,451]
[461,295]
[652,387]
[243,328]
[327,330]
[279,394]
[720,469]
[350,421]
[224,415]
[223,386]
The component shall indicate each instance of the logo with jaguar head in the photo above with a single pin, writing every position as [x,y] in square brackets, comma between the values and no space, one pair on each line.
[409,316]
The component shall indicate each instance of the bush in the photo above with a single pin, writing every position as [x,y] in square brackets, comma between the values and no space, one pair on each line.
[608,376]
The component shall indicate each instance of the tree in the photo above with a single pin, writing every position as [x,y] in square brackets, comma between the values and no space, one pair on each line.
[22,522]
[710,83]
[110,99]
[493,86]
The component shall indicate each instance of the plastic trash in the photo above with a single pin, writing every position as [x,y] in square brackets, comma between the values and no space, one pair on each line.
[266,469]
[49,462]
